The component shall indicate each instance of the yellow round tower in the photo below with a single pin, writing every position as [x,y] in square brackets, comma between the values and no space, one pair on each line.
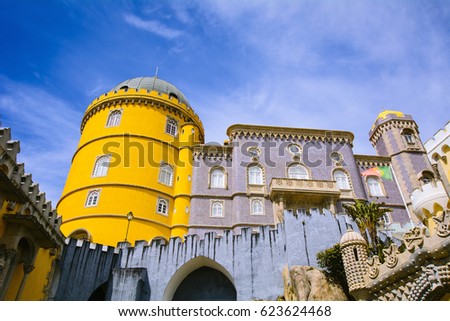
[130,177]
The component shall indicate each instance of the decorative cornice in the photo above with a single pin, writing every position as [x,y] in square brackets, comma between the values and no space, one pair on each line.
[33,206]
[143,96]
[305,134]
[372,161]
[388,124]
[217,152]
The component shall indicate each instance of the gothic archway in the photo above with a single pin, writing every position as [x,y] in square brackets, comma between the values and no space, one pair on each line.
[205,284]
[201,279]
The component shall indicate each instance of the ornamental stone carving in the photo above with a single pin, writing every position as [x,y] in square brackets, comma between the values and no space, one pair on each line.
[443,224]
[373,263]
[414,238]
[432,274]
[391,255]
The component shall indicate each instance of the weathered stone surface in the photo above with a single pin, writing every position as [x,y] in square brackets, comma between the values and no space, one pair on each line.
[306,283]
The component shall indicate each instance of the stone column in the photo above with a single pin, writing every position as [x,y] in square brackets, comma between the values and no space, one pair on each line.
[27,269]
[7,264]
[279,217]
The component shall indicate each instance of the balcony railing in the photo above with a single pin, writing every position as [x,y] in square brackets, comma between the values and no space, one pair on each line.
[308,188]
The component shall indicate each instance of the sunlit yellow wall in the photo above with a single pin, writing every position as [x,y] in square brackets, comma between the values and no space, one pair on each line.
[37,280]
[14,284]
[445,161]
[138,146]
[188,136]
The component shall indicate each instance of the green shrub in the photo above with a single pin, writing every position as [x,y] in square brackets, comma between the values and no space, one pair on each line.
[330,260]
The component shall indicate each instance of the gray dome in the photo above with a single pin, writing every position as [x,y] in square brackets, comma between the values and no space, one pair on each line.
[351,237]
[152,83]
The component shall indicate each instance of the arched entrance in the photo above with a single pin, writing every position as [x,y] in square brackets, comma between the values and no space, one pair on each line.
[201,279]
[205,284]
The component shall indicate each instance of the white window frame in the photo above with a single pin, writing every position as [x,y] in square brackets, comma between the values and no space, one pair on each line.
[217,178]
[255,175]
[302,172]
[114,118]
[162,206]
[92,198]
[100,169]
[375,190]
[256,209]
[165,174]
[409,137]
[342,182]
[171,127]
[217,209]
[386,219]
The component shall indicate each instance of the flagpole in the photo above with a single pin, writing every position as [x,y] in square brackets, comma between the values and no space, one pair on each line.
[401,194]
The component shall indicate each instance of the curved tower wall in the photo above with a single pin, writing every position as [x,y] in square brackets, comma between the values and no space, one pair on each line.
[138,146]
[408,156]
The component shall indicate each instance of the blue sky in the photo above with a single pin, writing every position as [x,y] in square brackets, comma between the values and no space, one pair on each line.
[309,64]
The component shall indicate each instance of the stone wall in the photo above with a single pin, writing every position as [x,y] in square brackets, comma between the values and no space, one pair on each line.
[252,261]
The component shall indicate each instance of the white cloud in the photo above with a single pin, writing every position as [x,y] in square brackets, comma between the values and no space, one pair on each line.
[152,26]
[331,64]
[48,130]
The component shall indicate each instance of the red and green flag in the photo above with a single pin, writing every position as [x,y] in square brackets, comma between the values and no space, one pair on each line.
[380,171]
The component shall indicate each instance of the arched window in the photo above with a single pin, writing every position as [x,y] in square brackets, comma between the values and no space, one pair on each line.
[255,175]
[101,166]
[166,174]
[385,219]
[217,178]
[427,177]
[257,207]
[297,171]
[92,198]
[162,207]
[374,186]
[408,136]
[217,209]
[80,234]
[341,179]
[114,118]
[171,126]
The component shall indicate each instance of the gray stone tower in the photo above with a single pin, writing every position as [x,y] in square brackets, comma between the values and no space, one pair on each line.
[396,135]
[354,255]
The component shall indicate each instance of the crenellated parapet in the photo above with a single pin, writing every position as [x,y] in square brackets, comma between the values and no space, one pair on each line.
[252,260]
[145,97]
[97,262]
[389,120]
[438,146]
[21,201]
[428,199]
[213,152]
[421,272]
[368,161]
[286,133]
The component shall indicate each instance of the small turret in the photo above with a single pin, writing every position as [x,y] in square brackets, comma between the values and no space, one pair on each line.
[354,255]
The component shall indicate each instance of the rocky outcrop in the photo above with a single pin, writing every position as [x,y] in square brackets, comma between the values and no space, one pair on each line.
[306,283]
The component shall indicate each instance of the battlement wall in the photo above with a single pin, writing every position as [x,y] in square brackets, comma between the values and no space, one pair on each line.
[253,260]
